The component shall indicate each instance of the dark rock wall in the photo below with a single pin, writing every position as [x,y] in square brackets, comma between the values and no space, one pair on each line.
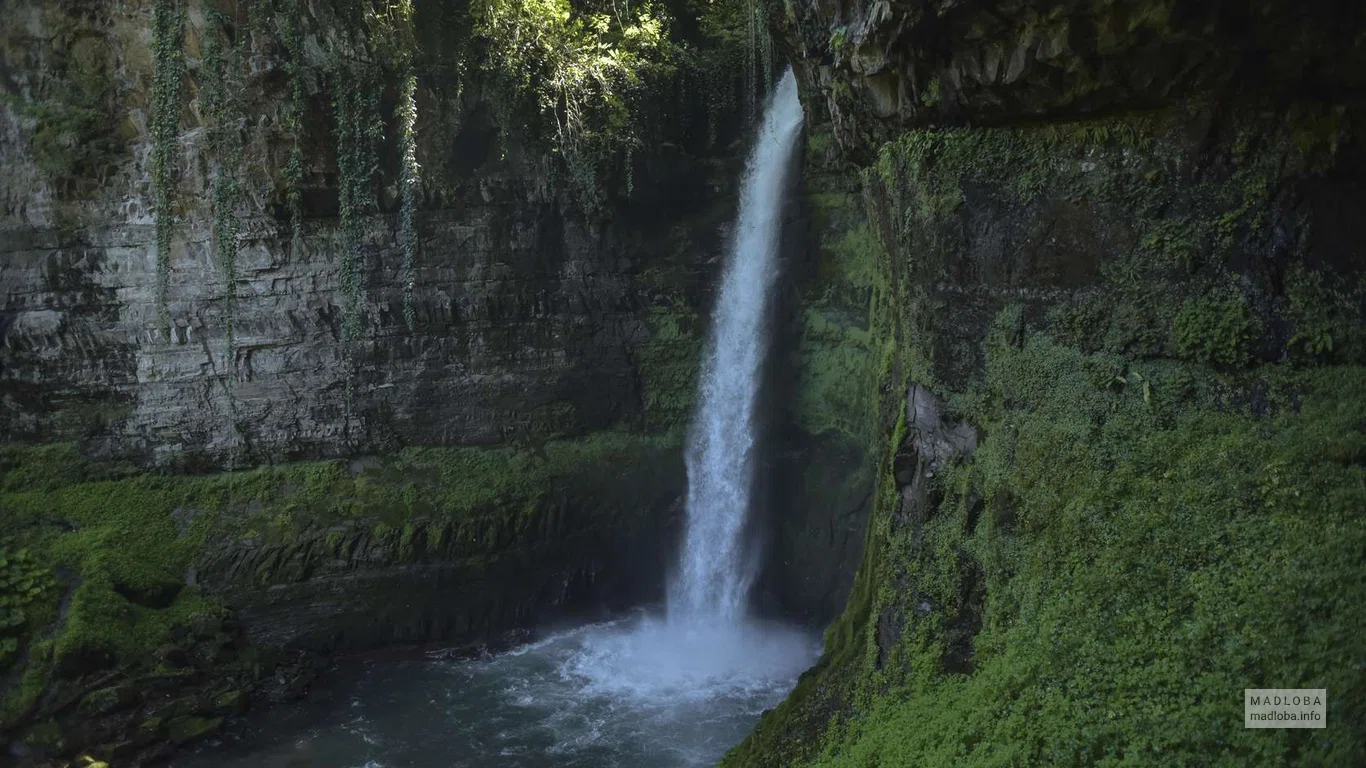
[898,62]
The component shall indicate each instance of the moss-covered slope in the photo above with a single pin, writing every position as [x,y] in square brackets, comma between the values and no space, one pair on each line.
[177,590]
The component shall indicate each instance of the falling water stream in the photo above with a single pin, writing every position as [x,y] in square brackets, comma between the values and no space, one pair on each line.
[641,692]
[714,570]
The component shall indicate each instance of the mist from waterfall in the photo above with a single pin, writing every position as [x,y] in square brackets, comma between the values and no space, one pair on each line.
[715,571]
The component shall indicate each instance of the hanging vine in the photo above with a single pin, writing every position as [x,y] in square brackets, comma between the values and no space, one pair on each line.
[223,110]
[293,119]
[168,70]
[751,50]
[355,105]
[766,47]
[410,180]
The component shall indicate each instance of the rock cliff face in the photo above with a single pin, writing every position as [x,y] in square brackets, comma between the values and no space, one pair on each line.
[531,311]
[1115,320]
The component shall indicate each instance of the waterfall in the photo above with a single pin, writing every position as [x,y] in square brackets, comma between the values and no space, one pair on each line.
[714,572]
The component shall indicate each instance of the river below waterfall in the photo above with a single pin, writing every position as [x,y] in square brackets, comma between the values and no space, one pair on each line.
[640,692]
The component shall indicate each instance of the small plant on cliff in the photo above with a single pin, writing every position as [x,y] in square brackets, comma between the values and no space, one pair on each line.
[73,134]
[1321,313]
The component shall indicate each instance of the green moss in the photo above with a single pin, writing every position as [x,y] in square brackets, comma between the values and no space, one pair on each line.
[28,594]
[45,735]
[668,365]
[103,700]
[231,701]
[1138,544]
[839,353]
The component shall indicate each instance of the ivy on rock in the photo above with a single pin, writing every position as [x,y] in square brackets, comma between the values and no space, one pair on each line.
[222,98]
[355,105]
[168,35]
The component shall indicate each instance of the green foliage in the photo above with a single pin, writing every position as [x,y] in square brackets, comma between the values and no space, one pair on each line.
[1139,573]
[1214,329]
[72,132]
[839,352]
[168,36]
[583,65]
[839,38]
[836,375]
[932,94]
[1129,545]
[74,135]
[743,49]
[1320,310]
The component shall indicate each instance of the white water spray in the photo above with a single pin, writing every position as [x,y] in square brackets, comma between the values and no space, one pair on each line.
[715,574]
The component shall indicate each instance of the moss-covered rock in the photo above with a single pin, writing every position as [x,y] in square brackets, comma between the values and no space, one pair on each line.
[1124,311]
